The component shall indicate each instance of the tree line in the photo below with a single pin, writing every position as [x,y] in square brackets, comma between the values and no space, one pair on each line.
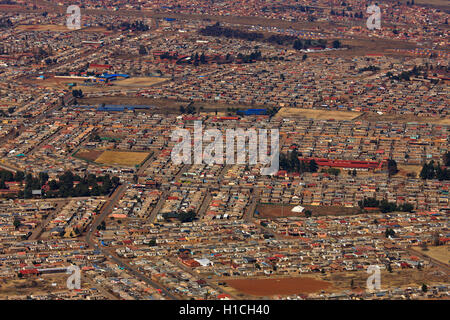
[66,185]
[216,30]
[291,163]
[434,170]
[384,206]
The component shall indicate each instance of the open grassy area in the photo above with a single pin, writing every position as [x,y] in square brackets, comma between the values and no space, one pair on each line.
[440,253]
[317,114]
[36,285]
[43,27]
[56,28]
[167,106]
[122,158]
[138,82]
[130,83]
[88,155]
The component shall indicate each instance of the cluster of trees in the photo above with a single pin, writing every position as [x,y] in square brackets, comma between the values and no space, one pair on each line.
[135,26]
[291,163]
[284,8]
[168,56]
[196,59]
[384,205]
[190,109]
[446,159]
[345,14]
[406,75]
[392,167]
[10,110]
[49,61]
[183,216]
[281,39]
[369,68]
[8,176]
[305,44]
[102,226]
[5,23]
[434,170]
[142,50]
[333,171]
[389,233]
[77,93]
[217,30]
[251,57]
[89,185]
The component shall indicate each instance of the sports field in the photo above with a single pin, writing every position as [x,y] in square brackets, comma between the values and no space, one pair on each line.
[112,157]
[121,158]
[316,114]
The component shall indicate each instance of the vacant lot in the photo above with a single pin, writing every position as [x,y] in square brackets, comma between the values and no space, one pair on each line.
[440,253]
[121,158]
[140,82]
[408,168]
[276,211]
[167,106]
[397,279]
[404,118]
[280,286]
[43,27]
[316,114]
[130,83]
[36,285]
[56,28]
[89,155]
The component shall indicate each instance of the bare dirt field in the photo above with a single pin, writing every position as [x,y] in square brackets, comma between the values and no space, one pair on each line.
[316,114]
[276,287]
[440,253]
[269,211]
[36,285]
[406,169]
[121,158]
[56,28]
[130,83]
[89,155]
[333,282]
[43,27]
[397,279]
[166,106]
[404,118]
[139,82]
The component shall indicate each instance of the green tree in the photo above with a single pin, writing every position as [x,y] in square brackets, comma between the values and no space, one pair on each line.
[16,223]
[446,159]
[313,167]
[392,167]
[424,288]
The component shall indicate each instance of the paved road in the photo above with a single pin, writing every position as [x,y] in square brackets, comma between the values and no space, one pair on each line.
[38,231]
[164,195]
[106,209]
[104,212]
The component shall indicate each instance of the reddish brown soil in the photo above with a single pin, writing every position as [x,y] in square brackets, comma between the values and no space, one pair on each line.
[283,286]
